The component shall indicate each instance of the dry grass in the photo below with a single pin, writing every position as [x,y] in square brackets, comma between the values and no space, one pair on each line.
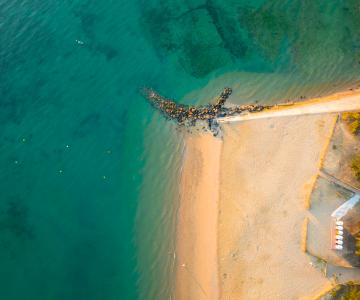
[308,188]
[346,291]
[355,166]
[304,235]
[352,119]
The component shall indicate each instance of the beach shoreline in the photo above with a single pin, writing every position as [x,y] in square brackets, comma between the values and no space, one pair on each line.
[196,240]
[213,217]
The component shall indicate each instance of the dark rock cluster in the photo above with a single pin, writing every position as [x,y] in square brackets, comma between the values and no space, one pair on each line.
[188,115]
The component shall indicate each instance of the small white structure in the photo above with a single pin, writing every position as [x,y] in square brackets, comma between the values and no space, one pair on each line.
[347,217]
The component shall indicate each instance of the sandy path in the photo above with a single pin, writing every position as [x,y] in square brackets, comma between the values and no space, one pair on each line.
[341,102]
[196,254]
[266,166]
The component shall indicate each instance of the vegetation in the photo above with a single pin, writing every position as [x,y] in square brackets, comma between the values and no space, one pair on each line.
[357,244]
[355,166]
[353,121]
[348,291]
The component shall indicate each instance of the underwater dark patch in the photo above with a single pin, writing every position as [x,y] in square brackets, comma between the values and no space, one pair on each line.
[87,22]
[87,125]
[10,108]
[351,37]
[227,28]
[206,37]
[108,51]
[14,220]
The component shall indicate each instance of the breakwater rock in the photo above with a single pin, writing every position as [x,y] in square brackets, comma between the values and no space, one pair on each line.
[188,115]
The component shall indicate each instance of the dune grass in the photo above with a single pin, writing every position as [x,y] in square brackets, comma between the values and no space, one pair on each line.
[348,291]
[355,166]
[353,121]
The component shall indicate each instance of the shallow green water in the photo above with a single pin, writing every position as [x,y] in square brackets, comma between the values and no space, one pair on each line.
[88,171]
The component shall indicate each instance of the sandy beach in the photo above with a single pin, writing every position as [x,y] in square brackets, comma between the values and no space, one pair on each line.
[266,168]
[196,255]
[242,210]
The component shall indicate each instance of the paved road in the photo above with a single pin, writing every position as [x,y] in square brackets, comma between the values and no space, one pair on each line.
[341,104]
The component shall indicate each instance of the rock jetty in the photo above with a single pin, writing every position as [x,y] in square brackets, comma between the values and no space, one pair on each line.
[189,115]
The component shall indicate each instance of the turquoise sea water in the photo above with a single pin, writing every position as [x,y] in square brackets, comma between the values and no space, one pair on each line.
[89,172]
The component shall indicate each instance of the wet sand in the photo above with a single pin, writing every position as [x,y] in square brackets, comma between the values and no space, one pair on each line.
[196,253]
